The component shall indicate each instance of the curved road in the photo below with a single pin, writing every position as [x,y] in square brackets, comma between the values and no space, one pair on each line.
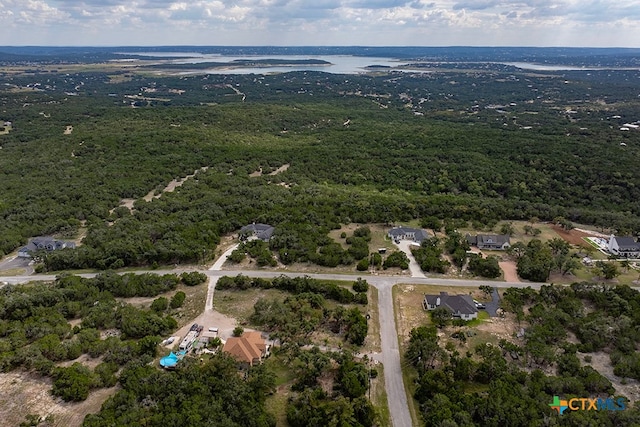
[396,395]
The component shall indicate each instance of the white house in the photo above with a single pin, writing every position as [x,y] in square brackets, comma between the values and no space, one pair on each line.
[626,247]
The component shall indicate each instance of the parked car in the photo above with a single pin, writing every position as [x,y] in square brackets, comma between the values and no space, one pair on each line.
[194,327]
[479,305]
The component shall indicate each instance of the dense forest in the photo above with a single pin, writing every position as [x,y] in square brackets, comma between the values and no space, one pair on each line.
[478,144]
[513,383]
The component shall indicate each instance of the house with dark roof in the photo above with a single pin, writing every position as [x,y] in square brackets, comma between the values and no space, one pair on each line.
[496,242]
[626,247]
[257,231]
[43,244]
[405,233]
[248,349]
[461,306]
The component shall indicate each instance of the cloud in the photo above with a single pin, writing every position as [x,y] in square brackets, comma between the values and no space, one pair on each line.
[430,22]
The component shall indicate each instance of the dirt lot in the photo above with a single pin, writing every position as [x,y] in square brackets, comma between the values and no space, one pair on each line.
[601,362]
[509,270]
[24,394]
[574,237]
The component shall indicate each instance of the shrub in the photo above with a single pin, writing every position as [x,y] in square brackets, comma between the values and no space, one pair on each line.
[177,300]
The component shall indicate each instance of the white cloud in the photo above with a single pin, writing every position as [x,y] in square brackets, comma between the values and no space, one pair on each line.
[318,22]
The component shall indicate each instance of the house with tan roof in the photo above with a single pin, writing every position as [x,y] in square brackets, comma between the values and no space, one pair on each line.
[248,349]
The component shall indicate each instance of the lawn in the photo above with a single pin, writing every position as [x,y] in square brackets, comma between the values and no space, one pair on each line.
[372,342]
[379,237]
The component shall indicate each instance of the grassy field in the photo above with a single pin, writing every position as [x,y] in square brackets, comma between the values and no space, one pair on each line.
[12,272]
[239,304]
[193,304]
[379,398]
[372,343]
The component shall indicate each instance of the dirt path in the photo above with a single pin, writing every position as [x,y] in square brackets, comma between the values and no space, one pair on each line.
[128,203]
[211,318]
[172,185]
[509,270]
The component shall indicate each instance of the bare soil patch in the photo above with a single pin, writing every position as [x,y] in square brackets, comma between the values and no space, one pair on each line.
[510,271]
[24,393]
[68,130]
[574,237]
[85,359]
[601,362]
[281,169]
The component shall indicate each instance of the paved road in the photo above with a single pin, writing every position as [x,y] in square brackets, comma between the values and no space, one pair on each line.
[492,306]
[396,396]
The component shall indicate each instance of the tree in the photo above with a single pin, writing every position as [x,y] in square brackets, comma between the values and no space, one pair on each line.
[73,383]
[517,250]
[238,331]
[423,347]
[363,264]
[159,304]
[609,270]
[360,285]
[440,316]
[431,222]
[570,265]
[507,228]
[177,300]
[486,289]
[193,278]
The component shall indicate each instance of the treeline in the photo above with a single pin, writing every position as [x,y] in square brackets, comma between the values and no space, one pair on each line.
[299,285]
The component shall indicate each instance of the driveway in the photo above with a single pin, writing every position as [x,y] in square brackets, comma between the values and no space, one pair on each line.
[492,306]
[414,268]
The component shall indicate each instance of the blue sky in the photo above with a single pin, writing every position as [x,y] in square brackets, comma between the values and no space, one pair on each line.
[597,23]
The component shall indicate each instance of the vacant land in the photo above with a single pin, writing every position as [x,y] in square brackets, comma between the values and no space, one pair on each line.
[24,393]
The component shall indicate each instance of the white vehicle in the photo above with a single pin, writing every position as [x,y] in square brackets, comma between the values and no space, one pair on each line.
[213,330]
[188,340]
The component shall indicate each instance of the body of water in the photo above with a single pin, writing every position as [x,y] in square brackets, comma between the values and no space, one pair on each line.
[338,64]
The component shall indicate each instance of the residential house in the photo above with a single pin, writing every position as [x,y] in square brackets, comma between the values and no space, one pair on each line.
[405,233]
[461,306]
[498,242]
[248,349]
[257,231]
[43,243]
[626,247]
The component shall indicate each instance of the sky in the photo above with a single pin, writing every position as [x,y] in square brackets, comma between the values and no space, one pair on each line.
[588,23]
